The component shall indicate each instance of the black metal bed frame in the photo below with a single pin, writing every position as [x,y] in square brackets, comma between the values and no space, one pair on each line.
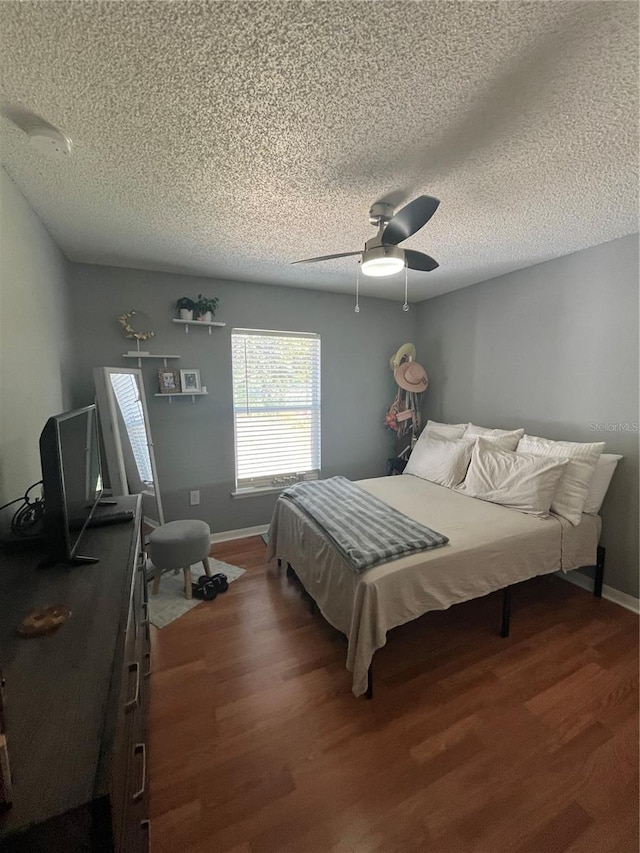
[506,601]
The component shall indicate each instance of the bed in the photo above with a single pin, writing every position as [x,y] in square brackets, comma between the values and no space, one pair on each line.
[490,548]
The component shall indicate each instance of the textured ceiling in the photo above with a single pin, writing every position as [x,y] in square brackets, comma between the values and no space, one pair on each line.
[228,139]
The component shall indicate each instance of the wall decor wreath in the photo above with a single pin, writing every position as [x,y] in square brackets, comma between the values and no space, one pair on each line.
[130,332]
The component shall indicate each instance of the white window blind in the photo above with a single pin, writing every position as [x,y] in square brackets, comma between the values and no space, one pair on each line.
[276,406]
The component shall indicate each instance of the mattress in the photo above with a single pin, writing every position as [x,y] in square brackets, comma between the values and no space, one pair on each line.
[489,547]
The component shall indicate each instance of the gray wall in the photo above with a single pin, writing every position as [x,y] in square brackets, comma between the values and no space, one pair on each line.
[34,339]
[552,348]
[194,441]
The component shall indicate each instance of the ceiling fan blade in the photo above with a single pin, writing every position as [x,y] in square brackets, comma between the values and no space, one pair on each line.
[419,261]
[326,258]
[409,219]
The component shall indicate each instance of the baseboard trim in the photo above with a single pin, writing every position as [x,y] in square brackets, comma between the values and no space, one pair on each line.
[608,592]
[240,533]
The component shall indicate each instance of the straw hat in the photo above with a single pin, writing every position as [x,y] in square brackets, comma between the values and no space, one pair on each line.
[411,376]
[406,350]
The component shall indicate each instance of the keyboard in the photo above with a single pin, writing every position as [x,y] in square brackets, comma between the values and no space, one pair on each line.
[117,517]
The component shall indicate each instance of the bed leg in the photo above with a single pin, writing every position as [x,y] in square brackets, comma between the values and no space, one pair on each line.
[279,562]
[599,577]
[506,611]
[369,693]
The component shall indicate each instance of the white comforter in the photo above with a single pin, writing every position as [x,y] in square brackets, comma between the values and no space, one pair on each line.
[490,547]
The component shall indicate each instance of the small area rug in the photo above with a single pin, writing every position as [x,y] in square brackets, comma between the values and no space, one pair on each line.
[169,604]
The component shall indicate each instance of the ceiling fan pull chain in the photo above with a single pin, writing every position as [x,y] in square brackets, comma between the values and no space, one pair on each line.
[405,307]
[357,308]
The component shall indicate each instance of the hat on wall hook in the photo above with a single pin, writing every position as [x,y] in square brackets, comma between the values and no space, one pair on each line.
[407,352]
[412,377]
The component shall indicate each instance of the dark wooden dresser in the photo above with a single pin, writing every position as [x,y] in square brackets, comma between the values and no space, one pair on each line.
[77,700]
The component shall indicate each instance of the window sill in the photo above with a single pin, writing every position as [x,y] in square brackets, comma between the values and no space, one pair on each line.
[253,493]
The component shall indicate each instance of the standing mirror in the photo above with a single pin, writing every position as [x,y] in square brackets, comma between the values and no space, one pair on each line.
[127,438]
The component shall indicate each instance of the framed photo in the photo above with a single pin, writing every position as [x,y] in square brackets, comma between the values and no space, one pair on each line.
[168,381]
[190,381]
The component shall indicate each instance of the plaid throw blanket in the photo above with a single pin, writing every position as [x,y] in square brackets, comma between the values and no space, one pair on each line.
[365,530]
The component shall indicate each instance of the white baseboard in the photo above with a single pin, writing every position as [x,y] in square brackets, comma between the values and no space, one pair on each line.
[608,592]
[241,533]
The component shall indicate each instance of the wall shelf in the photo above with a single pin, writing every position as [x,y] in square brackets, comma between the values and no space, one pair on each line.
[192,394]
[140,355]
[187,323]
[146,355]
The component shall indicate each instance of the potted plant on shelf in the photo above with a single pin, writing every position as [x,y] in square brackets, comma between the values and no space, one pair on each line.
[185,307]
[206,308]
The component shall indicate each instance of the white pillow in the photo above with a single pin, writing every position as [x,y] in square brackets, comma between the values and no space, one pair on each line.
[506,439]
[516,480]
[600,482]
[571,494]
[441,460]
[445,430]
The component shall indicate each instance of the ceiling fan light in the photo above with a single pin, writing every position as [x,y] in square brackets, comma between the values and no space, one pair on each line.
[382,266]
[382,261]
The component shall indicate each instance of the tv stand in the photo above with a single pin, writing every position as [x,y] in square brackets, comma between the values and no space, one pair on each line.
[76,701]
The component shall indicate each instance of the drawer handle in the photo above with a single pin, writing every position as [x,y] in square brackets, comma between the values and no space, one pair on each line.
[142,561]
[145,826]
[148,657]
[133,703]
[144,606]
[141,748]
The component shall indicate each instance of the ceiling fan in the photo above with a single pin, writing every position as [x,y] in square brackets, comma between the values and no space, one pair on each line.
[381,254]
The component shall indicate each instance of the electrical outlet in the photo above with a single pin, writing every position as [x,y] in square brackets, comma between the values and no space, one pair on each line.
[194,498]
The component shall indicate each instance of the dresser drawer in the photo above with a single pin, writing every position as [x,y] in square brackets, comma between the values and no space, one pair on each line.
[136,824]
[133,785]
[128,700]
[143,645]
[129,758]
[119,773]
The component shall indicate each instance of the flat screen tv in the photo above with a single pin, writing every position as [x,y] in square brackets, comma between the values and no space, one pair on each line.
[71,481]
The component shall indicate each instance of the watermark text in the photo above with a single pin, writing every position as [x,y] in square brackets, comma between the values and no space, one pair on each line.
[620,426]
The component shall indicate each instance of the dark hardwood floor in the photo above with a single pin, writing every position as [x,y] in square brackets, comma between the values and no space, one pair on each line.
[471,744]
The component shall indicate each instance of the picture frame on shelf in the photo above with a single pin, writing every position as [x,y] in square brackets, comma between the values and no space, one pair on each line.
[190,381]
[168,380]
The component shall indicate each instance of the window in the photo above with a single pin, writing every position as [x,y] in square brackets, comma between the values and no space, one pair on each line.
[276,407]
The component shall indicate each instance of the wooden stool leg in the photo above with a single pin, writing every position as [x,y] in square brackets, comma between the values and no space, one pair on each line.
[156,582]
[207,567]
[187,582]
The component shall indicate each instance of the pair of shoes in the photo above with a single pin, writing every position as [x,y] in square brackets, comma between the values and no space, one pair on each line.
[208,587]
[218,581]
[206,592]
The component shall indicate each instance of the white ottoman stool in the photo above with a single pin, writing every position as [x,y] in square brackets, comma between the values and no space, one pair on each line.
[176,545]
